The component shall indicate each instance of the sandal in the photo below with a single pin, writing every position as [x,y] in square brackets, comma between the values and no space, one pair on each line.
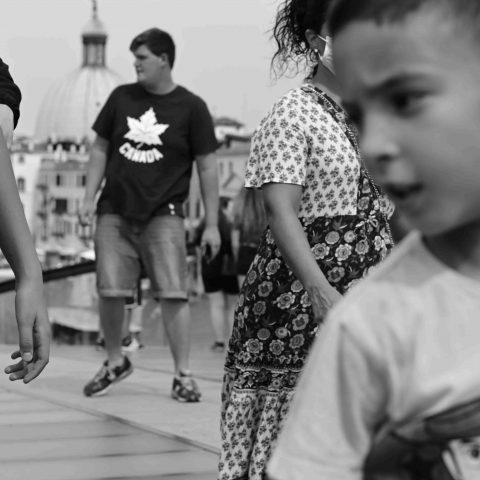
[185,388]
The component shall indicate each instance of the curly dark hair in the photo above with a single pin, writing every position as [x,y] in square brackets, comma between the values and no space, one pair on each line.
[293,18]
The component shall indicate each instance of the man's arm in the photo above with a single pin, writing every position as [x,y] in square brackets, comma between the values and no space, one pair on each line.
[208,176]
[30,308]
[95,174]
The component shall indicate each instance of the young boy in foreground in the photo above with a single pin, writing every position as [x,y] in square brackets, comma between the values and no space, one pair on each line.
[392,387]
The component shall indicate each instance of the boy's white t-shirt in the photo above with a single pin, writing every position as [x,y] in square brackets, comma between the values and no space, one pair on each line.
[402,345]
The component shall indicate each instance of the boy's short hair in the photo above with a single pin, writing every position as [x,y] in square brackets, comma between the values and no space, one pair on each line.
[344,12]
[157,41]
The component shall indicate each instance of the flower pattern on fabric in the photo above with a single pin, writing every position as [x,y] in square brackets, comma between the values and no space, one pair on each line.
[301,142]
[274,327]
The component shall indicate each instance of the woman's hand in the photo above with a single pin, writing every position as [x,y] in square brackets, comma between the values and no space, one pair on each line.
[322,298]
[282,203]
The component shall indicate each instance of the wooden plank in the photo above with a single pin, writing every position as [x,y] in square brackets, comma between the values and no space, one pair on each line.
[21,406]
[124,466]
[54,416]
[78,448]
[90,428]
[176,476]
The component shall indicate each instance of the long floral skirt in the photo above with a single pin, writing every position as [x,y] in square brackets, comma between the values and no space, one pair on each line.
[273,333]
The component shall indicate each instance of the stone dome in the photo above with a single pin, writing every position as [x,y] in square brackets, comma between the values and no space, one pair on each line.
[72,103]
[95,26]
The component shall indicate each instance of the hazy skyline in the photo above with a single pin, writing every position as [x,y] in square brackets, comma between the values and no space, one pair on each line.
[223,48]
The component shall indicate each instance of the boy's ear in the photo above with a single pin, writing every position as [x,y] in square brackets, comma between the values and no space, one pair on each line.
[164,58]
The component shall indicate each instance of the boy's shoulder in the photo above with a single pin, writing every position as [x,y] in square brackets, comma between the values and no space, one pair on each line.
[408,261]
[410,294]
[393,290]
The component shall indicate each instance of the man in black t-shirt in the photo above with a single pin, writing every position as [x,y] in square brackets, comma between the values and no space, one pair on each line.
[149,134]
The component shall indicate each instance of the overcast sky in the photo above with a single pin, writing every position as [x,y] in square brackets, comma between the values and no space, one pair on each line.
[223,48]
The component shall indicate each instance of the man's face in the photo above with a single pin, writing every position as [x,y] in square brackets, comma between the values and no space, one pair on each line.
[413,89]
[150,68]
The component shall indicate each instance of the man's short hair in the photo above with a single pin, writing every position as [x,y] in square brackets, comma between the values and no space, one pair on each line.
[466,13]
[157,41]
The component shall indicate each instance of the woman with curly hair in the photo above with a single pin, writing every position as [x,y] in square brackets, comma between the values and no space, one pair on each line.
[328,225]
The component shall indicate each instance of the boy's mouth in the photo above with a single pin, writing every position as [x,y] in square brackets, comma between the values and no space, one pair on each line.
[402,192]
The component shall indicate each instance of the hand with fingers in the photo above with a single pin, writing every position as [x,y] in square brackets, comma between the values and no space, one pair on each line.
[211,241]
[322,298]
[16,244]
[86,212]
[34,332]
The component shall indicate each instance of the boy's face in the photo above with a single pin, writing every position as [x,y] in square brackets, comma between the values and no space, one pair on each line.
[148,66]
[413,88]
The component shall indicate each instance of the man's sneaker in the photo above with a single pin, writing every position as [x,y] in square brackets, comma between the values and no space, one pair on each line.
[131,344]
[185,388]
[106,377]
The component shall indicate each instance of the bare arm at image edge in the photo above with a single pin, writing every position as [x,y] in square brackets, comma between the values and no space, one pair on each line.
[30,308]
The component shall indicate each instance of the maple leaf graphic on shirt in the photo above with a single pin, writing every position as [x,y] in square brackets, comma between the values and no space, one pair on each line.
[145,130]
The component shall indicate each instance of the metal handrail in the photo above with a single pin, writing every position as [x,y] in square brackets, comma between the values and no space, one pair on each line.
[51,274]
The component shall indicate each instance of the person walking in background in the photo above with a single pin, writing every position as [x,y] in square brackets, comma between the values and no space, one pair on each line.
[391,389]
[327,226]
[149,134]
[249,223]
[17,245]
[220,280]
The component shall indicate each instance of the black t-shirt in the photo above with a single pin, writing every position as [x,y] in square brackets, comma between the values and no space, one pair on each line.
[153,140]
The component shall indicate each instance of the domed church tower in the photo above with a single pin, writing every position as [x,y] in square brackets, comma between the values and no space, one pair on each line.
[72,104]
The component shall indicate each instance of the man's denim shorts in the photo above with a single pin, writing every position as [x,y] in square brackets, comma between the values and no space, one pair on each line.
[121,247]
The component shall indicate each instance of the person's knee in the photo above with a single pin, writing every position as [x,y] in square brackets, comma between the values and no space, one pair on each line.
[175,309]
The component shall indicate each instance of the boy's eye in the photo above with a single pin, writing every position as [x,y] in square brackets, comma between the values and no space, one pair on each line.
[406,102]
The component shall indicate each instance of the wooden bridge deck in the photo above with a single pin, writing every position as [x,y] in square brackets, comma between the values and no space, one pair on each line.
[49,431]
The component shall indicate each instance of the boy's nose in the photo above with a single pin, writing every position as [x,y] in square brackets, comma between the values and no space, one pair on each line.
[377,145]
